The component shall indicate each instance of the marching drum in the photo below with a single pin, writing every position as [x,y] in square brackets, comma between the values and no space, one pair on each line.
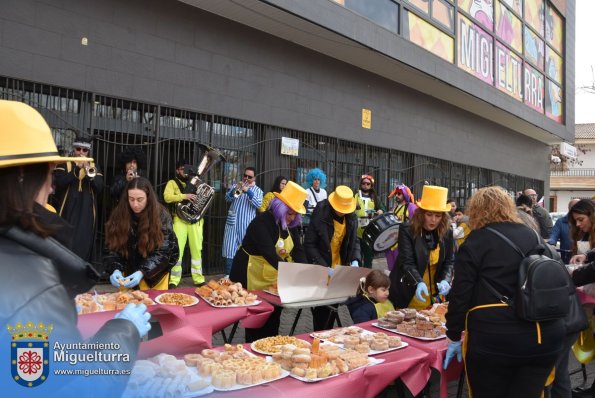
[382,232]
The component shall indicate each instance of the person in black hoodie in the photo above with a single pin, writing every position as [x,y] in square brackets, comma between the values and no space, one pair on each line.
[505,356]
[40,277]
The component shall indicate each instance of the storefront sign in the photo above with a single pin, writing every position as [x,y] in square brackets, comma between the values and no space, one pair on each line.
[366,118]
[290,146]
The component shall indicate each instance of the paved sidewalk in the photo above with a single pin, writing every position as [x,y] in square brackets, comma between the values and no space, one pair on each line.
[305,325]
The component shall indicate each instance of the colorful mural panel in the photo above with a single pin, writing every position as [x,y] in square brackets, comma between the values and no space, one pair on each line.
[534,14]
[509,69]
[475,50]
[422,5]
[554,66]
[554,33]
[481,10]
[553,102]
[425,35]
[508,27]
[443,13]
[515,5]
[534,48]
[533,88]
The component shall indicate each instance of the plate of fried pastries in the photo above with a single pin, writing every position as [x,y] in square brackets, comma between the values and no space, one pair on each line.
[179,299]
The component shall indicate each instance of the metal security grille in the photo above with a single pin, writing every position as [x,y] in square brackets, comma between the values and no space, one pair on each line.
[168,134]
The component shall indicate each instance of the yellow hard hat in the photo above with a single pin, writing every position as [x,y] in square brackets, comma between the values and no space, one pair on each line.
[26,138]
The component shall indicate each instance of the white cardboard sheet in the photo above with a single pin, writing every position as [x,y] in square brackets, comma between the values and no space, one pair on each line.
[307,282]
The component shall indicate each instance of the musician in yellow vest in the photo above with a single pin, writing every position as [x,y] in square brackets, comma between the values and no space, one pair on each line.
[271,237]
[368,206]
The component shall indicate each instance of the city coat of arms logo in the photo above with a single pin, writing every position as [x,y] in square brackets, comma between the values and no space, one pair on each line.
[30,353]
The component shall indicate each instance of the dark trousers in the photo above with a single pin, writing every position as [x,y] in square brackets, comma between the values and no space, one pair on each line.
[367,254]
[320,318]
[270,328]
[561,388]
[492,376]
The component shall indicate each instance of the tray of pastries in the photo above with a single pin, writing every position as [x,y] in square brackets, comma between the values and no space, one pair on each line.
[224,293]
[234,368]
[164,375]
[180,299]
[320,362]
[371,343]
[271,345]
[412,323]
[89,303]
[337,335]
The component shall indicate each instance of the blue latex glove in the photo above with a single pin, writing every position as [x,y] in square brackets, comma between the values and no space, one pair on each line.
[454,348]
[138,315]
[330,271]
[134,279]
[443,287]
[420,291]
[115,278]
[354,263]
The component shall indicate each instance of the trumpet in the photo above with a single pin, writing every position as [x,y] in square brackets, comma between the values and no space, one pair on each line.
[91,171]
[239,190]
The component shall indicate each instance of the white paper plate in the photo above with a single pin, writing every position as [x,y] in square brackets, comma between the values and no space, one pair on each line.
[372,352]
[284,374]
[194,299]
[371,362]
[413,337]
[253,347]
[327,335]
[256,302]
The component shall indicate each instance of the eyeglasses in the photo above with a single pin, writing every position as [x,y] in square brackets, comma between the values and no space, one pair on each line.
[80,149]
[248,176]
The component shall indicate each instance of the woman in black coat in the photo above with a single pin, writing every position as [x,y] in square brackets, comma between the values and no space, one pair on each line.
[423,268]
[142,246]
[505,356]
[331,239]
[39,277]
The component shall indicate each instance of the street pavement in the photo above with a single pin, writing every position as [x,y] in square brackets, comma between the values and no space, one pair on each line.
[304,325]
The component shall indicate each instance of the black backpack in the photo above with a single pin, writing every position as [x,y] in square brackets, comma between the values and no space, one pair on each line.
[542,288]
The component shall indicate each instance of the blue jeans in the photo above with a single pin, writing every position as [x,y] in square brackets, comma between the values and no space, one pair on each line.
[228,264]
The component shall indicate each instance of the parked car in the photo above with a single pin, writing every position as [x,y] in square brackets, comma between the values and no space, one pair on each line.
[557,214]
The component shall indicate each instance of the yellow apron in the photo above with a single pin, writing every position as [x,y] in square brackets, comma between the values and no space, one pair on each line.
[422,305]
[163,284]
[336,240]
[383,308]
[261,274]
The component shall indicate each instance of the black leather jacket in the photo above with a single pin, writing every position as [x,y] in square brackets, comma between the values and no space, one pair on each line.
[157,264]
[39,279]
[412,263]
[320,231]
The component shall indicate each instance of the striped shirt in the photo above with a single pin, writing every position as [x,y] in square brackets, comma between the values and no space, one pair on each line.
[240,215]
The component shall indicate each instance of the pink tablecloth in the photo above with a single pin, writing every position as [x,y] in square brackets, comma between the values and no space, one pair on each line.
[410,364]
[584,297]
[436,350]
[185,329]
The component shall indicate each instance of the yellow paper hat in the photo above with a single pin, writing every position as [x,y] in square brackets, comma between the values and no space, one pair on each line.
[434,198]
[25,137]
[293,196]
[342,200]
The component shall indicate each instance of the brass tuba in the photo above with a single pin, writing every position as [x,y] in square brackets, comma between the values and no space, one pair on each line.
[192,211]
